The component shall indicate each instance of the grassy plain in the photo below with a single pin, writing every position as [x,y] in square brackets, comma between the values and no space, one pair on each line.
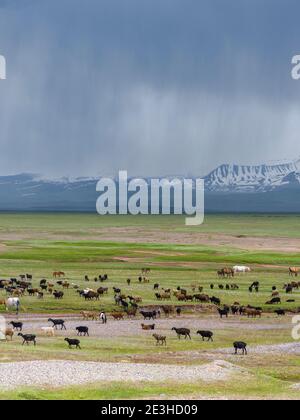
[81,244]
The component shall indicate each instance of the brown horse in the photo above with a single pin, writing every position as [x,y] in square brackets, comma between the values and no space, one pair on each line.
[293,271]
[58,274]
[226,272]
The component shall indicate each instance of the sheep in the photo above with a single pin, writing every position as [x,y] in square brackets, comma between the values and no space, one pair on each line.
[9,333]
[91,295]
[18,326]
[239,345]
[28,338]
[148,327]
[58,295]
[102,290]
[117,316]
[234,309]
[168,310]
[82,330]
[89,315]
[274,301]
[223,312]
[182,331]
[48,331]
[201,298]
[206,334]
[252,312]
[178,311]
[280,312]
[215,300]
[73,343]
[57,322]
[148,315]
[160,339]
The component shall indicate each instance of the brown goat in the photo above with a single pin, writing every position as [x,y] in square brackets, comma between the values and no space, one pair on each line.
[160,339]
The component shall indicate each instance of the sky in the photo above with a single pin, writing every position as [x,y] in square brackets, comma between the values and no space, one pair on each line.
[154,87]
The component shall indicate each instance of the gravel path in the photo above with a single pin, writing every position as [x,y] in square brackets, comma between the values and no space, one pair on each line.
[68,373]
[133,327]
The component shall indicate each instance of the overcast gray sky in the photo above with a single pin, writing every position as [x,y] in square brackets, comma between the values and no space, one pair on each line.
[152,86]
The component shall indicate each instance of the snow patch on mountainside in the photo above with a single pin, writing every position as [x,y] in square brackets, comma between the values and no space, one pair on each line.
[256,178]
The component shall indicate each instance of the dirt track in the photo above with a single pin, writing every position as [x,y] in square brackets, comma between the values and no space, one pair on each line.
[130,328]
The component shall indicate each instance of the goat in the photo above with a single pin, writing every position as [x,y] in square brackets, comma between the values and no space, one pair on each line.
[73,343]
[160,339]
[182,331]
[206,334]
[18,326]
[28,338]
[58,322]
[103,317]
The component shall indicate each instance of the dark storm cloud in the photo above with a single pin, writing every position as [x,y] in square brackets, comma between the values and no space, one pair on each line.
[154,86]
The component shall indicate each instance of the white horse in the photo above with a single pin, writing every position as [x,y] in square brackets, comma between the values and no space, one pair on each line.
[13,303]
[241,269]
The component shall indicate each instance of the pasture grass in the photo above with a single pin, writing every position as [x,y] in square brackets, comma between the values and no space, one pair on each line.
[42,243]
[257,387]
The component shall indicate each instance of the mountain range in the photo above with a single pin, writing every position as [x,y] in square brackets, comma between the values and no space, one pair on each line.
[229,188]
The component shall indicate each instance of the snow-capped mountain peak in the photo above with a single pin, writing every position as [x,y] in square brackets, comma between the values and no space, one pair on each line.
[256,178]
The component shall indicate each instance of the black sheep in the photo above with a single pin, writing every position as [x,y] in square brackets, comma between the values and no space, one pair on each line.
[215,300]
[239,345]
[73,342]
[148,315]
[82,331]
[206,334]
[223,312]
[182,331]
[280,312]
[28,338]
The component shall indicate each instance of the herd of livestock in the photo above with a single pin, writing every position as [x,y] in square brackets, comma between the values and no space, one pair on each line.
[131,306]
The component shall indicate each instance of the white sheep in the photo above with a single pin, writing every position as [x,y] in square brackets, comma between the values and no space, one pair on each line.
[48,331]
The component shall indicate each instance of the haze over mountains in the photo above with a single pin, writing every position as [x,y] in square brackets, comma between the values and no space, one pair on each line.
[229,188]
